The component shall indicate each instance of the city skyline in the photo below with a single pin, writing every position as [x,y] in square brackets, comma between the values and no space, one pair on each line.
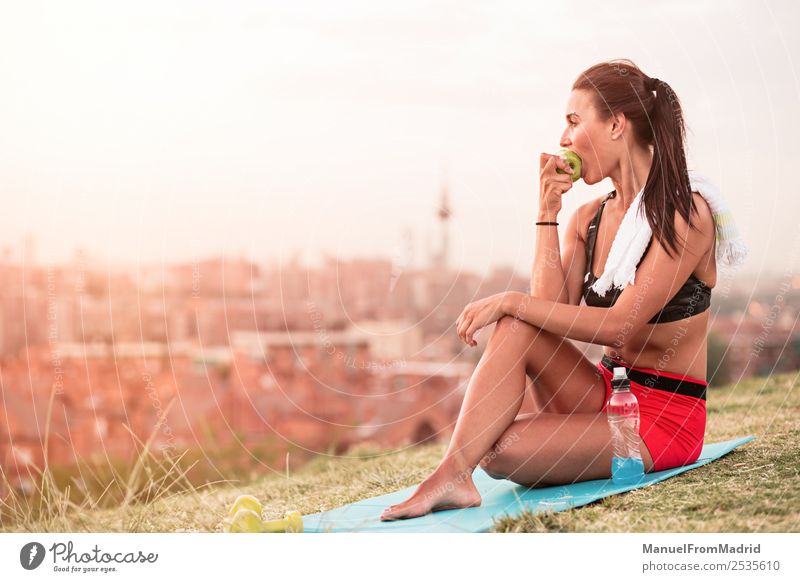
[14,253]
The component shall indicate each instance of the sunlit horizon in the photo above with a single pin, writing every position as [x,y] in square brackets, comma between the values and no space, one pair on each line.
[147,133]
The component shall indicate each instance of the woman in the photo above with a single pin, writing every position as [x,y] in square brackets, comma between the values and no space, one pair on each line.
[627,127]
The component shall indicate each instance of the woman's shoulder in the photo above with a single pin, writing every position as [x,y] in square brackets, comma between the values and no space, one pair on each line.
[703,210]
[701,219]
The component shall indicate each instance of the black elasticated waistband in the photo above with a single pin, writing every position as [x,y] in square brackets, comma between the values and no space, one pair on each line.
[683,387]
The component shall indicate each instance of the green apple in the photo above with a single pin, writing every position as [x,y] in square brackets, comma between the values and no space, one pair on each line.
[574,162]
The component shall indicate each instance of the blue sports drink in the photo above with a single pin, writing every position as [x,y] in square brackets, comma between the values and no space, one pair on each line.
[623,420]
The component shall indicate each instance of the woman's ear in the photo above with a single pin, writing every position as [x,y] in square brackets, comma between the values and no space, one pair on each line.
[618,125]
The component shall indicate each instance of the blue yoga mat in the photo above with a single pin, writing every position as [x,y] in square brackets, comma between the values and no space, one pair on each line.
[500,498]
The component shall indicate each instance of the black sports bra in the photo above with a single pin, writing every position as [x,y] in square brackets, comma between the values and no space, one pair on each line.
[693,298]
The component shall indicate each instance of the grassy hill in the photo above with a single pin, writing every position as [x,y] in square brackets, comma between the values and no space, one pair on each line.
[754,489]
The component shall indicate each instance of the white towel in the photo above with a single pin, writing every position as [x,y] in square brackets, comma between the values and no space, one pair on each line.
[634,234]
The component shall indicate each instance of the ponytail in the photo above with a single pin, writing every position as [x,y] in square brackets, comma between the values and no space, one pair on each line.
[667,188]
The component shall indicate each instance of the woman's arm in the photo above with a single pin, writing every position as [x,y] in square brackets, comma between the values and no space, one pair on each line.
[589,324]
[548,280]
[595,325]
[556,278]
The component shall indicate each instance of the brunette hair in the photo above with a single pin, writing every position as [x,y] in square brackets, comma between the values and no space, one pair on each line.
[619,86]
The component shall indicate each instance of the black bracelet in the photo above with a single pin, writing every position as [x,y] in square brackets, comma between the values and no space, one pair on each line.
[555,223]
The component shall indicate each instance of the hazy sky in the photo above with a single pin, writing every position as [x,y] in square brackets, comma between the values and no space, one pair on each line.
[148,131]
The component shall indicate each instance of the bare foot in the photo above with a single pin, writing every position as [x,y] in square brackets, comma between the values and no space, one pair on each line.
[445,488]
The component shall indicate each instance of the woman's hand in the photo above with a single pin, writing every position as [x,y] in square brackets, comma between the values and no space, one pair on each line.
[479,314]
[552,185]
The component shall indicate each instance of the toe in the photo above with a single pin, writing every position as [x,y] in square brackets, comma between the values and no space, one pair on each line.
[394,511]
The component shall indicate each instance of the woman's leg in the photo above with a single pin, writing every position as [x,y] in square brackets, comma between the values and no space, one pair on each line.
[565,381]
[554,449]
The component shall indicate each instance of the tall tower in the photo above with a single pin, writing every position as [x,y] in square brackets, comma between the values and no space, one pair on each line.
[443,212]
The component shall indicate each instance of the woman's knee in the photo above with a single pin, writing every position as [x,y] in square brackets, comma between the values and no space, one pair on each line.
[509,325]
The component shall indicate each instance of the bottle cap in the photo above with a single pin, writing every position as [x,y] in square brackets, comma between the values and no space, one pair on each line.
[619,373]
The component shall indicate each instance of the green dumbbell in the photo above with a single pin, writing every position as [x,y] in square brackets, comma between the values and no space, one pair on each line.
[245,502]
[248,521]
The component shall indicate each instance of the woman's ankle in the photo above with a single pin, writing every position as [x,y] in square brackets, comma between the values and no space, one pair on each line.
[455,465]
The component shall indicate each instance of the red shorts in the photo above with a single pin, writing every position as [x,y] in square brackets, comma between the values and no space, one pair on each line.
[672,412]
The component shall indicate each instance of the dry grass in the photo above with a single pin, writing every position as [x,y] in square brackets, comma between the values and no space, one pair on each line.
[324,483]
[753,489]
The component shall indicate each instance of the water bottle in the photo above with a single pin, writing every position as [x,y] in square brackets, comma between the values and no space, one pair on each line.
[623,420]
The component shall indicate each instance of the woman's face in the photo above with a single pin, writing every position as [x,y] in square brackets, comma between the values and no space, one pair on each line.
[589,137]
